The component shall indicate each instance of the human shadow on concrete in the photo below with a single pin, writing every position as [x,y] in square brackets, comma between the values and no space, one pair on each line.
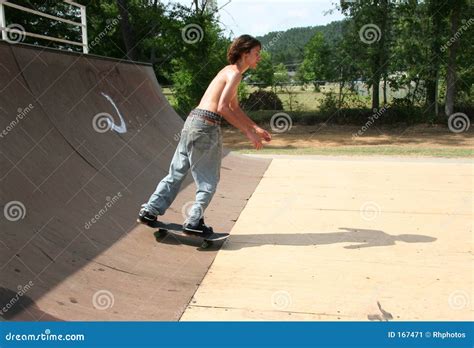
[359,238]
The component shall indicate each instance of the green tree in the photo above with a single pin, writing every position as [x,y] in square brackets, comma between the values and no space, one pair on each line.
[409,51]
[372,23]
[263,75]
[202,54]
[457,34]
[281,75]
[437,24]
[317,63]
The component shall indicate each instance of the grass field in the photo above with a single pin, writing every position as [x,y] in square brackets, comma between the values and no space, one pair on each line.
[368,151]
[420,140]
[294,98]
[320,139]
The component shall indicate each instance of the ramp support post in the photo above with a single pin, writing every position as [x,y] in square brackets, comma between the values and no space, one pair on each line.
[85,47]
[3,23]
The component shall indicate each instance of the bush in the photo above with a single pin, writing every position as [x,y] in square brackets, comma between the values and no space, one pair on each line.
[329,103]
[243,91]
[262,100]
[393,115]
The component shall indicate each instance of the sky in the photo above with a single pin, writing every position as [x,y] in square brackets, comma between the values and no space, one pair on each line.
[258,17]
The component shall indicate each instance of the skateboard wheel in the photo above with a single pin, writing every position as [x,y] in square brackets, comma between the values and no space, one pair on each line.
[160,233]
[206,244]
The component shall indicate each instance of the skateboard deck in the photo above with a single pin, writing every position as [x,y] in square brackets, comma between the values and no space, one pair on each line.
[177,230]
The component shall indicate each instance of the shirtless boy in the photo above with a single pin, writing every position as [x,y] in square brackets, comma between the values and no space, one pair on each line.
[200,145]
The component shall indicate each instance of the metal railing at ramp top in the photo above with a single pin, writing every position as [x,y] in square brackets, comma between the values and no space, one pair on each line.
[18,30]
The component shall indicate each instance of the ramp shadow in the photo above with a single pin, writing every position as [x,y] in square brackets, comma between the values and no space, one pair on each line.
[16,306]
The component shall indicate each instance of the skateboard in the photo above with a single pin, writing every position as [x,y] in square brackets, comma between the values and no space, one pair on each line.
[177,230]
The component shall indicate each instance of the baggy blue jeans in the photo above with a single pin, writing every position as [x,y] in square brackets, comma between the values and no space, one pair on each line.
[199,149]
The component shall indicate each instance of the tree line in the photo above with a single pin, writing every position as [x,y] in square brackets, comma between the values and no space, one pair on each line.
[426,46]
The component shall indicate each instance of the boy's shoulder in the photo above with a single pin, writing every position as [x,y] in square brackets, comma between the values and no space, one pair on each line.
[231,70]
[229,74]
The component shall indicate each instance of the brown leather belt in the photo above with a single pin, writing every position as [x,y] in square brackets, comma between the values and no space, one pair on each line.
[215,120]
[207,120]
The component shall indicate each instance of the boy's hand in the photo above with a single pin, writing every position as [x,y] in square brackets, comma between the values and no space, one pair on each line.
[263,134]
[255,139]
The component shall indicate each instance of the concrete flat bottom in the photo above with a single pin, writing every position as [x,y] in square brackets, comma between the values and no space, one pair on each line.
[323,239]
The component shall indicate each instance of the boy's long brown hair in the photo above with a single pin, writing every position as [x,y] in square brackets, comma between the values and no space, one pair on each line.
[242,44]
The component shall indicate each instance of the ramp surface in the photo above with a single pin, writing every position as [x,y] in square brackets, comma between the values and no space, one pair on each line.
[71,188]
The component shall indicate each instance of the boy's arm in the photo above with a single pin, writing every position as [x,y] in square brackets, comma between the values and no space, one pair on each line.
[228,94]
[262,133]
[235,116]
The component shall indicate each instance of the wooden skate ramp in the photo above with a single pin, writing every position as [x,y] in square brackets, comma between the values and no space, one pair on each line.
[70,192]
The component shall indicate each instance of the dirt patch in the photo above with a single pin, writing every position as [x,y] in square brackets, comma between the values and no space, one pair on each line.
[423,136]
